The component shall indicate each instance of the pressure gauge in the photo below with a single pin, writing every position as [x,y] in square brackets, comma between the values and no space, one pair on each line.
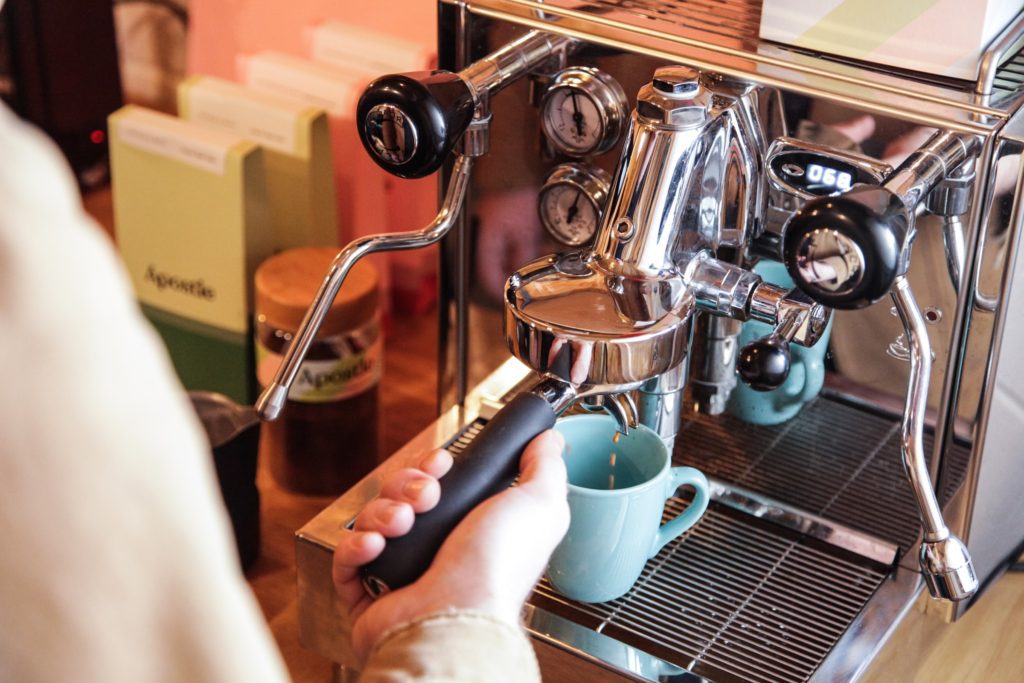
[572,201]
[584,111]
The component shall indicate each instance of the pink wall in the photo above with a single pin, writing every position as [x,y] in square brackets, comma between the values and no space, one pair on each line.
[220,29]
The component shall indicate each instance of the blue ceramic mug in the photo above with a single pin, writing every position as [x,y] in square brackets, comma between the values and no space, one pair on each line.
[806,371]
[617,493]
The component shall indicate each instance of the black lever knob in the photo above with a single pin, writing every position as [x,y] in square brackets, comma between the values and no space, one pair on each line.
[763,364]
[846,251]
[409,123]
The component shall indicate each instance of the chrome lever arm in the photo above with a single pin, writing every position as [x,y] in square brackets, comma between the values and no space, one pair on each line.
[271,401]
[944,559]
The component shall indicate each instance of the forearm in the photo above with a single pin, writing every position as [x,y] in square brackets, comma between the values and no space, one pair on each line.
[461,646]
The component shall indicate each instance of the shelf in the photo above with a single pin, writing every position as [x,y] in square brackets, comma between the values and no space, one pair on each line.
[722,35]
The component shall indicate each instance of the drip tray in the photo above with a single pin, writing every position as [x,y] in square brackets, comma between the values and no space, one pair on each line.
[733,600]
[739,599]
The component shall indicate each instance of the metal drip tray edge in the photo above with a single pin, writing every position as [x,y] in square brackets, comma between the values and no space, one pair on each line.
[805,523]
[602,650]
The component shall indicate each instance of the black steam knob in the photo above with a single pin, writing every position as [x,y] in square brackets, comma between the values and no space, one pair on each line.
[409,123]
[763,364]
[846,251]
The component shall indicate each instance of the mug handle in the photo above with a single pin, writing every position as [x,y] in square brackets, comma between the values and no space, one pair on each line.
[795,386]
[814,380]
[670,530]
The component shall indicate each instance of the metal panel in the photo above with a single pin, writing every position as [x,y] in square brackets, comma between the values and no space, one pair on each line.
[722,36]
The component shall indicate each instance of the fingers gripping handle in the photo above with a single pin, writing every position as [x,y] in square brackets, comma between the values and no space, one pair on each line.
[488,465]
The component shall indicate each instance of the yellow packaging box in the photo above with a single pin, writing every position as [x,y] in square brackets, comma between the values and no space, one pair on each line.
[296,154]
[192,223]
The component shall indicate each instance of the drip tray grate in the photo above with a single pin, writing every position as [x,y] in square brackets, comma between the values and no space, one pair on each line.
[733,600]
[835,460]
[737,599]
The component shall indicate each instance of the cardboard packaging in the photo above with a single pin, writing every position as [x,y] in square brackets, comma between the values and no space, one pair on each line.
[192,223]
[296,154]
[359,183]
[941,37]
[410,204]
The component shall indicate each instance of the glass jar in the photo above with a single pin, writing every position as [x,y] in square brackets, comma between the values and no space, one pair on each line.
[326,438]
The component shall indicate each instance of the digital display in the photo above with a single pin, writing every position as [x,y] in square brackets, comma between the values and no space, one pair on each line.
[824,176]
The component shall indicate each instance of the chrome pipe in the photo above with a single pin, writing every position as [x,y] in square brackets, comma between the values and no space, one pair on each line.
[487,76]
[944,559]
[272,399]
[936,160]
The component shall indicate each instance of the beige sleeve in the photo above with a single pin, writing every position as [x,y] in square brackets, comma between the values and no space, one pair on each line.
[116,559]
[458,646]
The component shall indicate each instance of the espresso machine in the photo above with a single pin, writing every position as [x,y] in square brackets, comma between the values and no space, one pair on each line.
[614,173]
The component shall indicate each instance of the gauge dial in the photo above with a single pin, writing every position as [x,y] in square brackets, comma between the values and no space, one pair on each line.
[583,111]
[572,202]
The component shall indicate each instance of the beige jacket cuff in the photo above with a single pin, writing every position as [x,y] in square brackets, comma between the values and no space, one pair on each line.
[467,647]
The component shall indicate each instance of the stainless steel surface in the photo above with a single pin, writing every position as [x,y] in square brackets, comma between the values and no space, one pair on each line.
[685,181]
[929,165]
[476,141]
[1005,47]
[621,406]
[732,601]
[660,403]
[945,562]
[805,523]
[488,76]
[273,397]
[951,200]
[953,241]
[723,37]
[721,287]
[786,196]
[713,363]
[565,316]
[948,570]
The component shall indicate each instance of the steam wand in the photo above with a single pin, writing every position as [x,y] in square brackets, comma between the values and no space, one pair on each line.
[271,401]
[850,250]
[944,558]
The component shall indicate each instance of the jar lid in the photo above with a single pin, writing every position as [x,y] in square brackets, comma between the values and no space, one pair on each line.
[287,282]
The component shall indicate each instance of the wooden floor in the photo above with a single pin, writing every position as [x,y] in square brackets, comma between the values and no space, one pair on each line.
[986,646]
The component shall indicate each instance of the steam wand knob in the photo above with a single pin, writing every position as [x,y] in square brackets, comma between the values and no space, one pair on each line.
[409,123]
[847,251]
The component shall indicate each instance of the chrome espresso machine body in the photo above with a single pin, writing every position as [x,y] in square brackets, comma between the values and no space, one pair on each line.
[616,174]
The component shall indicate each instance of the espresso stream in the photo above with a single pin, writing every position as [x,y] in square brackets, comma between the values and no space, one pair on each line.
[614,472]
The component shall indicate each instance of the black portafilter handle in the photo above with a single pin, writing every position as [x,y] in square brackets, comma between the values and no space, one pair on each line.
[487,466]
[846,251]
[410,122]
[764,363]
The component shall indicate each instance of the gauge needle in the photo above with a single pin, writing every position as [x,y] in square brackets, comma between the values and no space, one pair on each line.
[570,215]
[577,116]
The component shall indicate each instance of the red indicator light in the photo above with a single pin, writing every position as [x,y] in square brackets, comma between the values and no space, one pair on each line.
[97,137]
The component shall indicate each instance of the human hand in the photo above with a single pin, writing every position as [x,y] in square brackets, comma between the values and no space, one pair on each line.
[489,563]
